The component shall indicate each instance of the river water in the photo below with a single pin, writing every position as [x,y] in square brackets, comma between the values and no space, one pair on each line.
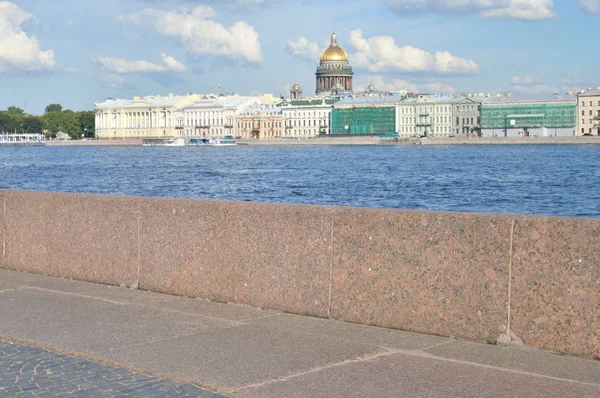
[559,180]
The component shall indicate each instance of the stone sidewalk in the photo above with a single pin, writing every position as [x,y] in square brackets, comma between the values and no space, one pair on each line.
[247,352]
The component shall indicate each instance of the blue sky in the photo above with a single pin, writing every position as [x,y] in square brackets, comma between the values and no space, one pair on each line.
[78,52]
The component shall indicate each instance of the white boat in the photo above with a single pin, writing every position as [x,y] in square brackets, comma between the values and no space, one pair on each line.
[164,142]
[198,142]
[228,140]
[175,142]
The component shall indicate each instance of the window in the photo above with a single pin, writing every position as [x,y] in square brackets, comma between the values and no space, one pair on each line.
[457,121]
[590,112]
[590,103]
[582,121]
[582,131]
[582,113]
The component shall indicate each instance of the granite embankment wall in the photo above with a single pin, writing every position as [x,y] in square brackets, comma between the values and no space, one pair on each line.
[473,276]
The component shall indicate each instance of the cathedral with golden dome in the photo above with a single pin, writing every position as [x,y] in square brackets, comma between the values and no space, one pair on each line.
[334,73]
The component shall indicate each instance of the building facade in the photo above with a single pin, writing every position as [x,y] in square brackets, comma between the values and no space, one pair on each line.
[260,123]
[509,116]
[334,74]
[466,116]
[146,117]
[424,115]
[308,118]
[206,118]
[588,112]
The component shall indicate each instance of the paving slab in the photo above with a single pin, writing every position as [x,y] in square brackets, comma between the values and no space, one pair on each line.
[418,376]
[246,352]
[229,359]
[6,286]
[137,297]
[362,334]
[85,325]
[521,359]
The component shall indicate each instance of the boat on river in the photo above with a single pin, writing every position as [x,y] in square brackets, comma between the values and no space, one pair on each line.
[22,140]
[228,140]
[164,142]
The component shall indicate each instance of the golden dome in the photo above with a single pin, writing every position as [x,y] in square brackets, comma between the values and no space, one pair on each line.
[334,52]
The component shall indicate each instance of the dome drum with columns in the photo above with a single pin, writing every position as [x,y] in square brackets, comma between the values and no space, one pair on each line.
[334,73]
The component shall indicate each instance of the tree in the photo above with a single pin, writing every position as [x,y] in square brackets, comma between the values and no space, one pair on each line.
[32,125]
[53,108]
[87,120]
[9,124]
[70,124]
[13,110]
[51,121]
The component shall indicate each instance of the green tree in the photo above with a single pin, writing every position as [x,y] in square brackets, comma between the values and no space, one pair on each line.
[13,110]
[51,122]
[70,124]
[32,125]
[9,124]
[53,108]
[87,120]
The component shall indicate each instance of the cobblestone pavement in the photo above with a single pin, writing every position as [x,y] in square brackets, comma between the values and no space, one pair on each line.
[30,372]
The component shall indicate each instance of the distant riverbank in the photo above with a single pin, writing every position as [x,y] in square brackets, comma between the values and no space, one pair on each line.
[593,140]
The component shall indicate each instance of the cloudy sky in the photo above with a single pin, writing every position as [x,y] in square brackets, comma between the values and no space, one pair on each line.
[76,52]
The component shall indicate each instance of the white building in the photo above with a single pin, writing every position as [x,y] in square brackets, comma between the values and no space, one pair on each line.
[307,118]
[424,115]
[192,115]
[214,116]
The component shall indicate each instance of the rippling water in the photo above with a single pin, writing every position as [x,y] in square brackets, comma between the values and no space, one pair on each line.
[553,180]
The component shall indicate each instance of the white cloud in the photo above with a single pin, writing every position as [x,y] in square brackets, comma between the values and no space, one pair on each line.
[19,51]
[402,85]
[591,6]
[530,85]
[114,81]
[382,54]
[172,63]
[523,80]
[118,65]
[200,34]
[516,9]
[302,48]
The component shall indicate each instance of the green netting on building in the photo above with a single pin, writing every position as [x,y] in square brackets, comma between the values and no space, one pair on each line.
[363,121]
[528,115]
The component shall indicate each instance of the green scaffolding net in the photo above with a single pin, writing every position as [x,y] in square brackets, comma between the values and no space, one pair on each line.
[529,115]
[363,121]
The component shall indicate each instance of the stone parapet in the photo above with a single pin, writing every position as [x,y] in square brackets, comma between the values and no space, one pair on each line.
[511,279]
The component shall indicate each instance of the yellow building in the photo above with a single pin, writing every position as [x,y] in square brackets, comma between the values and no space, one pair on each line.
[588,112]
[146,117]
[265,122]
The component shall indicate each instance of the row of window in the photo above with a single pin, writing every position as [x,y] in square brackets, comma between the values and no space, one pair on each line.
[465,120]
[422,111]
[438,129]
[591,113]
[247,125]
[582,103]
[591,121]
[438,119]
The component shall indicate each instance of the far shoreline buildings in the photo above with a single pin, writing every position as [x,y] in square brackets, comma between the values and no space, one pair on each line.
[337,110]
